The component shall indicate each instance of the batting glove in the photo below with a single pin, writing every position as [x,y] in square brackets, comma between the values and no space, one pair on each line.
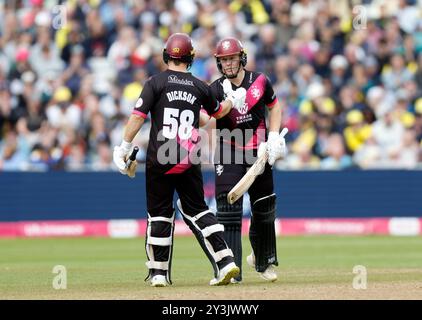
[227,87]
[120,155]
[237,97]
[276,147]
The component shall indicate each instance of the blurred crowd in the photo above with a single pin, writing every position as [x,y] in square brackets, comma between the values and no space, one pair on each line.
[348,74]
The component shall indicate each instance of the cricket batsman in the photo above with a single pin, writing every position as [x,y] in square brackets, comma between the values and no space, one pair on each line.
[173,98]
[250,121]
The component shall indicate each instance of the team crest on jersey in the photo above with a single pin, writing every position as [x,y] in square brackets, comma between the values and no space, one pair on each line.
[256,92]
[219,169]
[139,103]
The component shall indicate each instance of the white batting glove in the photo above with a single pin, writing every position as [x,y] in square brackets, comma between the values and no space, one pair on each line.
[227,87]
[276,147]
[120,155]
[237,98]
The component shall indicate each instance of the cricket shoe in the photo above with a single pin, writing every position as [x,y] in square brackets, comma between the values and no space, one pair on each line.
[158,281]
[269,274]
[225,275]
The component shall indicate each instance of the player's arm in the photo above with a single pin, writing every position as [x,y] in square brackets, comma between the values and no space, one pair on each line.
[204,118]
[121,153]
[276,144]
[134,124]
[226,107]
[274,117]
[234,99]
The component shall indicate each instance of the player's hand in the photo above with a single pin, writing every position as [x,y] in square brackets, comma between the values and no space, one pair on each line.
[237,98]
[276,147]
[227,87]
[120,155]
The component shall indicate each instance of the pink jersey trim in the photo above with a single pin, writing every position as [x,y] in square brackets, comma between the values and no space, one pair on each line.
[272,103]
[139,113]
[181,167]
[189,145]
[218,111]
[255,91]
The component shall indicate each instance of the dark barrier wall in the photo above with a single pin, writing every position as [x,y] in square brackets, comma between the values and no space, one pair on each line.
[62,195]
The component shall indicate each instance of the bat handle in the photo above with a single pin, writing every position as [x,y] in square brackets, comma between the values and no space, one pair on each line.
[231,199]
[284,132]
[132,156]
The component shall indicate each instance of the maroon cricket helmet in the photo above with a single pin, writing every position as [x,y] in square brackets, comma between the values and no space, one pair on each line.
[228,47]
[179,47]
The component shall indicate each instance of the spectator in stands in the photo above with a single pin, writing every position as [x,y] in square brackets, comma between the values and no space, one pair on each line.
[301,158]
[44,55]
[387,130]
[369,155]
[396,74]
[357,130]
[62,113]
[13,152]
[337,157]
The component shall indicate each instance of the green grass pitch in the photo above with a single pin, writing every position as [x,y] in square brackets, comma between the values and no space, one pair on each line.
[311,267]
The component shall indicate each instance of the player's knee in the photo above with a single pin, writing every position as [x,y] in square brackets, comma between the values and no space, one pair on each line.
[228,214]
[161,229]
[264,208]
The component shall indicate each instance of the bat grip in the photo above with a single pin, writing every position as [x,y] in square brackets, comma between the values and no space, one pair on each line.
[132,156]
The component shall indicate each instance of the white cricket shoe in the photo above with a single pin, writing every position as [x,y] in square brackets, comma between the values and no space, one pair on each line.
[225,275]
[234,281]
[158,281]
[269,274]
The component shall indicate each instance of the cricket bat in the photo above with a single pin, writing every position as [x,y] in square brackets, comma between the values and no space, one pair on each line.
[131,163]
[257,168]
